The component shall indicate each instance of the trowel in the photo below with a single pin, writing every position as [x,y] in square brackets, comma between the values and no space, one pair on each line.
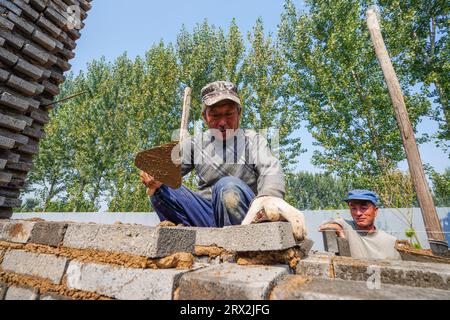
[164,162]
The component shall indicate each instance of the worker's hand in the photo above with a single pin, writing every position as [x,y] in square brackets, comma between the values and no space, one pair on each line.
[333,227]
[150,182]
[275,209]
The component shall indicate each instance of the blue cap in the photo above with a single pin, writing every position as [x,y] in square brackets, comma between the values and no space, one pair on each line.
[363,195]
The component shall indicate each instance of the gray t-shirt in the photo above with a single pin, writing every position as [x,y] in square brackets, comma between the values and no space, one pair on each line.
[373,246]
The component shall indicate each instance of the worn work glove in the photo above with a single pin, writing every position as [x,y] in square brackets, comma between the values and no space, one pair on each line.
[271,209]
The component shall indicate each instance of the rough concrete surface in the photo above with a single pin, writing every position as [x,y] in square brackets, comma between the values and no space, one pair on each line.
[43,266]
[138,240]
[52,297]
[3,289]
[316,265]
[258,237]
[414,274]
[48,233]
[230,282]
[15,231]
[122,283]
[17,293]
[301,288]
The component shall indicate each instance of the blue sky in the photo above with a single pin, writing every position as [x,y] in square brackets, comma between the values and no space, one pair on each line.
[116,26]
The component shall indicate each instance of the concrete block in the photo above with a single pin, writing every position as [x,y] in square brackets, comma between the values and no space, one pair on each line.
[413,274]
[12,39]
[4,75]
[27,9]
[6,143]
[39,5]
[12,123]
[16,231]
[48,233]
[43,266]
[319,266]
[53,297]
[230,282]
[51,88]
[56,17]
[40,116]
[136,240]
[5,213]
[123,283]
[4,23]
[49,26]
[344,248]
[300,288]
[3,289]
[33,52]
[258,237]
[7,57]
[22,85]
[330,242]
[45,41]
[20,166]
[21,24]
[17,293]
[11,6]
[14,102]
[28,69]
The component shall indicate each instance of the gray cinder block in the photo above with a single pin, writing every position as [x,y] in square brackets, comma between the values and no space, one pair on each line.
[123,283]
[274,236]
[299,288]
[230,282]
[137,240]
[44,266]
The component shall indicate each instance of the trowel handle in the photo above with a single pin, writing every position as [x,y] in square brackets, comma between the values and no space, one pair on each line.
[185,117]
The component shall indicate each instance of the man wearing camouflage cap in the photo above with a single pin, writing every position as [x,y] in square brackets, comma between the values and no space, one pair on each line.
[239,179]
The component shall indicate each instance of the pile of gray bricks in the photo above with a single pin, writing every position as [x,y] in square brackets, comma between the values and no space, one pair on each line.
[37,39]
[26,254]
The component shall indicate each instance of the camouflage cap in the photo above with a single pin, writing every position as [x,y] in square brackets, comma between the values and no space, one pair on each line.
[219,91]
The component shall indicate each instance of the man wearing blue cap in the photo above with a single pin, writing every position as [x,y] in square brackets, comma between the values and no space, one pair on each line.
[365,240]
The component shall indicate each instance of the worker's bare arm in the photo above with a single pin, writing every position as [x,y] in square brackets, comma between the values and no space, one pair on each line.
[335,227]
[150,182]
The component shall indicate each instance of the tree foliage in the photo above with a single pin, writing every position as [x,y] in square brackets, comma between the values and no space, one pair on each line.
[319,69]
[309,191]
[88,157]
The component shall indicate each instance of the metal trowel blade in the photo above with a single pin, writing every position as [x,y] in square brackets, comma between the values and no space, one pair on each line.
[159,163]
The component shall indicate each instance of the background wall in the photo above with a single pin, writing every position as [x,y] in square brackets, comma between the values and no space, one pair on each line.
[389,220]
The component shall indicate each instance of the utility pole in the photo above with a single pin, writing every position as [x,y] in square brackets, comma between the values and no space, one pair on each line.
[431,220]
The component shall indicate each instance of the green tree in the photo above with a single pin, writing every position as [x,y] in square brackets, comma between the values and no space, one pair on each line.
[418,32]
[441,187]
[336,79]
[309,191]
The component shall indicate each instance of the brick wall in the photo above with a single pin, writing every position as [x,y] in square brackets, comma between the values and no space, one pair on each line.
[37,39]
[58,261]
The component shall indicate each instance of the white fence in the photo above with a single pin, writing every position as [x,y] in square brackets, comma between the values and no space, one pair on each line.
[389,220]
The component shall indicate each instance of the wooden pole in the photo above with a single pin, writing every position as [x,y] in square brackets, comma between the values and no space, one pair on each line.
[185,116]
[430,217]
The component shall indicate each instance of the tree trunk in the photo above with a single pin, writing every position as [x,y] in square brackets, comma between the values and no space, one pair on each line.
[50,194]
[431,219]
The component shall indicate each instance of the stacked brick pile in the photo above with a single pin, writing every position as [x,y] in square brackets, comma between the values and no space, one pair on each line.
[58,261]
[37,39]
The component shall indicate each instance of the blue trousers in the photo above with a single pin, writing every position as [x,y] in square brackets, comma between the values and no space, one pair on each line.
[231,198]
